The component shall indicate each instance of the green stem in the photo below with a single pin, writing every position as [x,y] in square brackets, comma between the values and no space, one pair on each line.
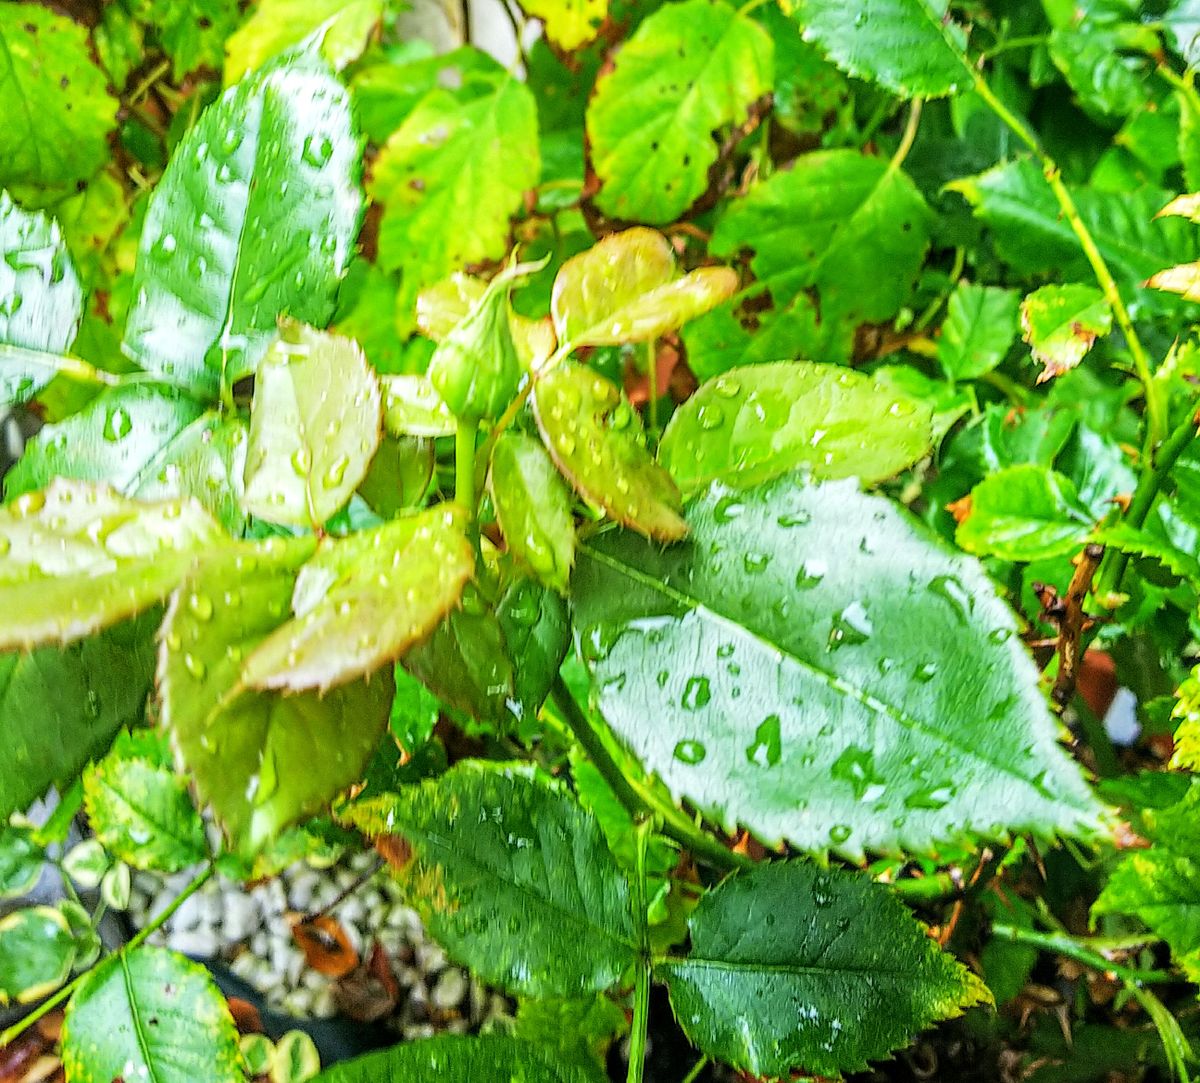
[652,385]
[926,889]
[464,469]
[48,1005]
[697,1068]
[1069,946]
[1155,408]
[909,136]
[641,989]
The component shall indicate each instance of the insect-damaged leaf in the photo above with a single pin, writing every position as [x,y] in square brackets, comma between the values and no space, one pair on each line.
[512,876]
[794,967]
[1060,323]
[813,664]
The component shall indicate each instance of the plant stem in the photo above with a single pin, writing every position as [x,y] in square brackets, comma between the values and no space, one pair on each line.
[909,136]
[652,385]
[464,470]
[697,1068]
[641,989]
[1069,946]
[1155,412]
[48,1005]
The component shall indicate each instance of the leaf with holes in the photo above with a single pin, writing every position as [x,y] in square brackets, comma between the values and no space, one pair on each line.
[814,665]
[794,967]
[1061,323]
[752,424]
[512,877]
[595,439]
[78,558]
[150,1014]
[314,427]
[980,324]
[255,216]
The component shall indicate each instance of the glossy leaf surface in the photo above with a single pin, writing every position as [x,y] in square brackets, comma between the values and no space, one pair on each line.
[752,424]
[813,665]
[36,952]
[595,439]
[691,69]
[1061,323]
[796,967]
[254,217]
[512,877]
[314,427]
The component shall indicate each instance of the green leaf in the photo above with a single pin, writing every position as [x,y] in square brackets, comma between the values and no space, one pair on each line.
[1025,512]
[20,860]
[314,427]
[450,178]
[1183,279]
[399,475]
[78,558]
[413,408]
[1129,539]
[255,216]
[140,810]
[627,289]
[512,877]
[150,1014]
[814,665]
[456,1059]
[654,123]
[575,1029]
[829,223]
[60,708]
[537,636]
[54,99]
[908,46]
[1061,323]
[263,761]
[364,600]
[595,440]
[533,508]
[191,32]
[114,439]
[36,953]
[752,424]
[795,967]
[277,25]
[980,324]
[415,711]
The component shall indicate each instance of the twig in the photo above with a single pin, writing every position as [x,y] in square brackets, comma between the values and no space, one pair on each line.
[1072,622]
[1069,946]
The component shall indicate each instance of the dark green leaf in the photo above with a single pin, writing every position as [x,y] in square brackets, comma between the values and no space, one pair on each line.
[399,475]
[816,666]
[415,711]
[20,860]
[36,953]
[980,324]
[795,967]
[537,635]
[512,877]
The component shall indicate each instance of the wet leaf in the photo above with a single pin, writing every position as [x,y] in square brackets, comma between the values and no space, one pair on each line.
[412,407]
[254,217]
[364,600]
[1025,512]
[50,138]
[262,760]
[399,475]
[537,636]
[276,25]
[78,558]
[980,324]
[36,953]
[533,508]
[595,440]
[314,427]
[627,289]
[1061,323]
[814,665]
[754,423]
[512,877]
[690,72]
[794,967]
[150,1014]
[20,860]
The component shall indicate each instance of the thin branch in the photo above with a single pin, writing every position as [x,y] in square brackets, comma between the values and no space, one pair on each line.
[1072,621]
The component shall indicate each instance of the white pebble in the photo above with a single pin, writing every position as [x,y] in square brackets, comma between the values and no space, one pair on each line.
[430,957]
[352,910]
[450,989]
[201,943]
[298,1002]
[242,918]
[260,944]
[324,1006]
[310,979]
[300,894]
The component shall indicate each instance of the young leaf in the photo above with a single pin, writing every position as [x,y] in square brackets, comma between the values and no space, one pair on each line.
[255,216]
[364,600]
[626,289]
[141,812]
[908,46]
[595,439]
[568,23]
[276,25]
[1183,279]
[150,1014]
[533,508]
[512,877]
[50,138]
[980,324]
[454,160]
[816,666]
[537,636]
[78,558]
[1025,512]
[262,760]
[794,967]
[752,424]
[690,71]
[36,953]
[412,407]
[314,427]
[20,860]
[1061,323]
[457,1059]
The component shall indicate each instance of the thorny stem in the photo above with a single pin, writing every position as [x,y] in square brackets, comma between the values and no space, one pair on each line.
[697,1068]
[641,989]
[1155,411]
[48,1005]
[1069,946]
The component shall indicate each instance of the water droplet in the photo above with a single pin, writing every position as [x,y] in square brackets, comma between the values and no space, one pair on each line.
[925,672]
[952,590]
[696,694]
[5,545]
[566,443]
[117,424]
[302,461]
[767,746]
[165,246]
[201,606]
[850,627]
[839,833]
[195,666]
[796,517]
[934,797]
[999,635]
[728,508]
[755,562]
[811,572]
[710,416]
[690,752]
[727,387]
[856,766]
[337,470]
[29,504]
